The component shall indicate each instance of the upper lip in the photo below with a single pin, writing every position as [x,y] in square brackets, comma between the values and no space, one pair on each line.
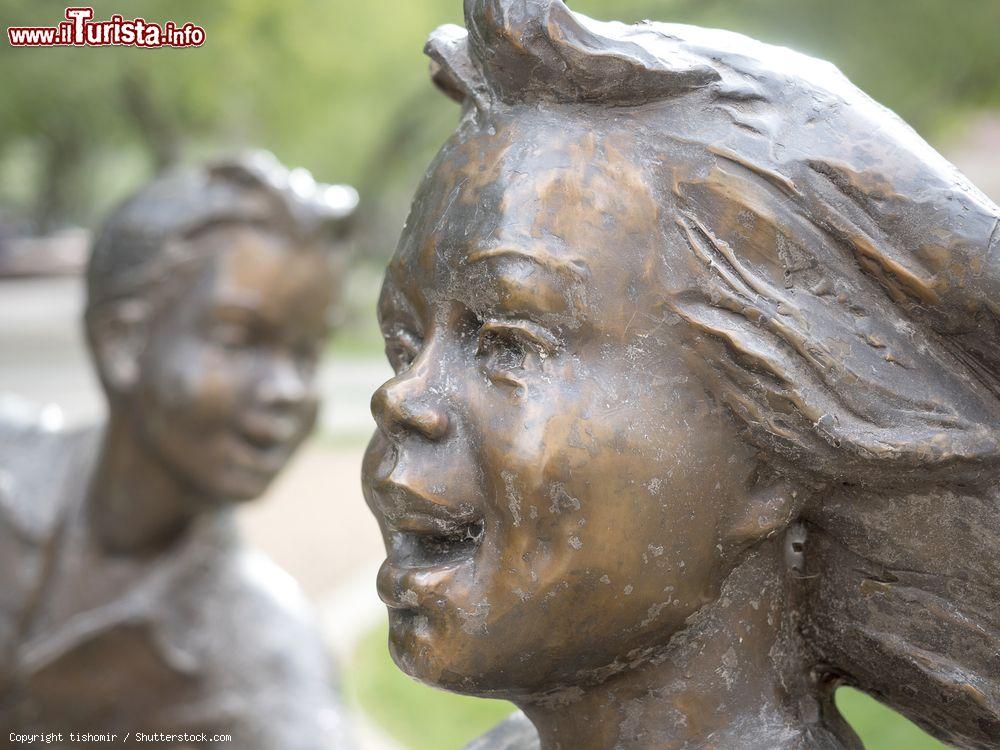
[266,433]
[409,510]
[266,443]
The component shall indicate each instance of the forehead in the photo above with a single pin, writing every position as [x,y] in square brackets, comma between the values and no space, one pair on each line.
[556,187]
[256,268]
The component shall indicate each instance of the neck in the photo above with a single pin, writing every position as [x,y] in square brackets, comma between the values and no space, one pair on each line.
[135,503]
[725,681]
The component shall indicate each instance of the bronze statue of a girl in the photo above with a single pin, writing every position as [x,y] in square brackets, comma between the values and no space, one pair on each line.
[696,413]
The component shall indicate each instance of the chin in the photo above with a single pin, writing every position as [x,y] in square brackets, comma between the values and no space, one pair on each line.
[455,662]
[245,490]
[423,654]
[235,486]
[413,649]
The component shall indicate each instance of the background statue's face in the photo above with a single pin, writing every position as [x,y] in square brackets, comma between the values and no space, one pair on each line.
[224,389]
[554,485]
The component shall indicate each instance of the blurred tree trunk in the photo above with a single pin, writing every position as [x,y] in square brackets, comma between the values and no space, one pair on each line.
[154,121]
[63,157]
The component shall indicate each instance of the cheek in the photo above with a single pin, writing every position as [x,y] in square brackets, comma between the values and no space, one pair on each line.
[554,483]
[536,518]
[599,489]
[309,410]
[193,383]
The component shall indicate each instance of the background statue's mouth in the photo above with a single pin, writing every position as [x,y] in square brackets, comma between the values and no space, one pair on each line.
[268,454]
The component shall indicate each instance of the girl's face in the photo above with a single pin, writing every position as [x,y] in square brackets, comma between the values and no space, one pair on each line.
[554,486]
[226,388]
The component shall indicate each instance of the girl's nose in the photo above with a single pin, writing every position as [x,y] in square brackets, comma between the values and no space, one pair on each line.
[403,405]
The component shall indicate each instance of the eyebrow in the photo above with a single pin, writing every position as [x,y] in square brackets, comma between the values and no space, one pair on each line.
[546,303]
[394,296]
[572,267]
[235,305]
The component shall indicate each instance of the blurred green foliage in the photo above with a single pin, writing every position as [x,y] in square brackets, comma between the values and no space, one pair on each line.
[341,87]
[881,728]
[422,718]
[417,716]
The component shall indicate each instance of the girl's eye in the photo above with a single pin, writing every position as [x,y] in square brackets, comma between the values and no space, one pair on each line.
[307,353]
[401,349]
[231,335]
[502,349]
[509,348]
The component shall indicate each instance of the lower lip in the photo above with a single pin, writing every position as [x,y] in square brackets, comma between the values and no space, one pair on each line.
[408,588]
[268,460]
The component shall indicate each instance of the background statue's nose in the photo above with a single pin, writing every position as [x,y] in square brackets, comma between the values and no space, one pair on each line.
[285,385]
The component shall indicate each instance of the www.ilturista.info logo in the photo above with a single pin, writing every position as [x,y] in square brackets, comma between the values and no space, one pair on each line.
[80,30]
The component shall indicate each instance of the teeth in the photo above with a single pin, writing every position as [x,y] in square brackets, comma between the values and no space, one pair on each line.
[474,532]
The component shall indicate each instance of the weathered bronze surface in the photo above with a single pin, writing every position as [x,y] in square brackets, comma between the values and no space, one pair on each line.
[695,414]
[128,603]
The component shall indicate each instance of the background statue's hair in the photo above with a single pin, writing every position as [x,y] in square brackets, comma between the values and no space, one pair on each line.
[144,238]
[846,309]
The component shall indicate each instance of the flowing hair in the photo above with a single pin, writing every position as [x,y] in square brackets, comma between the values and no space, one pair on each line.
[846,309]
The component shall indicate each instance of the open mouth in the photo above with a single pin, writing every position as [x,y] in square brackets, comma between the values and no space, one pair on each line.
[262,452]
[262,443]
[436,547]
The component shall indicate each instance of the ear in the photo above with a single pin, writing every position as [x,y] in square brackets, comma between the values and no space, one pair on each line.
[771,504]
[118,335]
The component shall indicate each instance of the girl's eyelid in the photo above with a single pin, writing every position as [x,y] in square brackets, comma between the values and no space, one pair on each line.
[396,312]
[540,334]
[403,336]
[402,346]
[238,315]
[232,333]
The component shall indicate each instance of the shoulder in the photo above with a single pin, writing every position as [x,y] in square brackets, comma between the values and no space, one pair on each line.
[267,643]
[514,733]
[41,468]
[263,599]
[258,643]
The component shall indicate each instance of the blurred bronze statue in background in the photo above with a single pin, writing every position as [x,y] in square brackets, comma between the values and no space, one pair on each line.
[128,602]
[697,397]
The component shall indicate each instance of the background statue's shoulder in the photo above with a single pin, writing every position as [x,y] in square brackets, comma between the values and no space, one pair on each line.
[43,472]
[274,627]
[514,733]
[42,468]
[264,645]
[254,597]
